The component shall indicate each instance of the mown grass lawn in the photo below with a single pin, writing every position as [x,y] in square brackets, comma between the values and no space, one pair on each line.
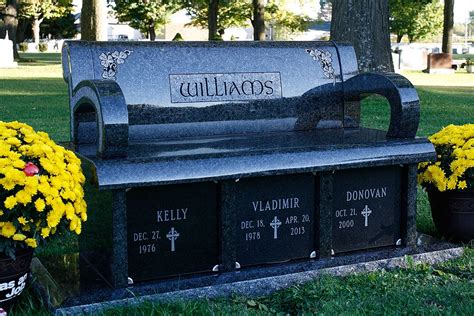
[35,93]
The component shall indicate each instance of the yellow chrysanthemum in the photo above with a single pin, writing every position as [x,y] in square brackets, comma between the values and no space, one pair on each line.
[23,197]
[462,185]
[42,178]
[455,152]
[19,237]
[45,232]
[22,220]
[10,202]
[8,229]
[40,205]
[31,242]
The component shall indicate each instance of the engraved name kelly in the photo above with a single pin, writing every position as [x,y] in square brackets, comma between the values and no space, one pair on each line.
[171,215]
[185,88]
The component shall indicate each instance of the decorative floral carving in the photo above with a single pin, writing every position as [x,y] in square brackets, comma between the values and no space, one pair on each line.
[110,62]
[325,60]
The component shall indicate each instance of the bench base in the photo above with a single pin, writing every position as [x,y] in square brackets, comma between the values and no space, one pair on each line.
[61,280]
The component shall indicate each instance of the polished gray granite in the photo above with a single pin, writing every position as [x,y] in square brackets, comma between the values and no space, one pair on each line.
[222,157]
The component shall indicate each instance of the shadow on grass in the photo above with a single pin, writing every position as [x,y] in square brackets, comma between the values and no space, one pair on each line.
[39,59]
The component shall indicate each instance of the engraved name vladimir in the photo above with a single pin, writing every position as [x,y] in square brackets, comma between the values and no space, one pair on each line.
[217,87]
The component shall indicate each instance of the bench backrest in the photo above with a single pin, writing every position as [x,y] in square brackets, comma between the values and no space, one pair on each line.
[205,88]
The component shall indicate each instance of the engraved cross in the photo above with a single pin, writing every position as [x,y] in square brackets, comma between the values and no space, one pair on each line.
[366,212]
[275,224]
[172,235]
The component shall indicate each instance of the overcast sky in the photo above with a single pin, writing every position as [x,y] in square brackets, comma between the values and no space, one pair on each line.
[461,10]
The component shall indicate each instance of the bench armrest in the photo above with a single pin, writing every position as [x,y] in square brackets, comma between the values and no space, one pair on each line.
[99,112]
[400,93]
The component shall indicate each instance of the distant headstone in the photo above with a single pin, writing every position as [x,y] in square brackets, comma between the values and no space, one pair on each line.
[413,58]
[396,61]
[440,63]
[6,53]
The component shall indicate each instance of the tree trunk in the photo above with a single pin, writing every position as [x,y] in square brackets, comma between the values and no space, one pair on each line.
[399,38]
[152,32]
[448,26]
[20,33]
[212,17]
[364,23]
[36,30]
[94,20]
[11,23]
[258,21]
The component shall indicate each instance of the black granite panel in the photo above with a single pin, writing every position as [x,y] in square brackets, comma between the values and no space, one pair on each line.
[324,200]
[275,219]
[366,209]
[228,218]
[408,200]
[96,241]
[119,227]
[172,230]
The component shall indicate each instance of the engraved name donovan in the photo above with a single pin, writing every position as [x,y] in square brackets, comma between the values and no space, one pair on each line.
[187,88]
[365,194]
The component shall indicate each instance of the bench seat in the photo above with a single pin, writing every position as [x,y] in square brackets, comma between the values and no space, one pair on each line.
[223,157]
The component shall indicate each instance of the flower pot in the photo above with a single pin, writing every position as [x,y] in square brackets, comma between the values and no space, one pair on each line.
[453,214]
[13,275]
[470,68]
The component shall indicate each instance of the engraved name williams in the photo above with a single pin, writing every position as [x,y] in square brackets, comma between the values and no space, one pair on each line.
[217,87]
[222,87]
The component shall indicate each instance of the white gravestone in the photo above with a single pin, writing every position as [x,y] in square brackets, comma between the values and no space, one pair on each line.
[6,53]
[413,58]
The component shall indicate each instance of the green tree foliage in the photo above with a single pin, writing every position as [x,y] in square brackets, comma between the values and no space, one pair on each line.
[36,11]
[230,13]
[233,13]
[284,21]
[61,27]
[416,19]
[145,15]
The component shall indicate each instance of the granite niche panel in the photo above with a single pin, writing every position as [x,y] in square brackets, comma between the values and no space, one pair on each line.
[366,209]
[274,219]
[172,230]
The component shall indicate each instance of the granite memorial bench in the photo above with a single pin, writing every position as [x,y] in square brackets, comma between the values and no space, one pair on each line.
[207,158]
